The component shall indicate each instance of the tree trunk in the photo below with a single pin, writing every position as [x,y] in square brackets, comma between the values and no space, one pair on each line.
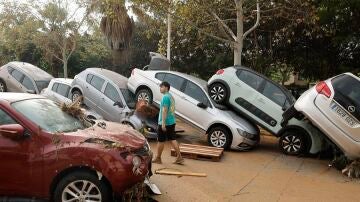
[238,45]
[120,60]
[169,32]
[65,65]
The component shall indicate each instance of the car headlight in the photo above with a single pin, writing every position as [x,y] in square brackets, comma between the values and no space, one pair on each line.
[136,161]
[246,134]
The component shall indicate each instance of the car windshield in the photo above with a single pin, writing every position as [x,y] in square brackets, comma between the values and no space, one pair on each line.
[42,84]
[129,97]
[46,114]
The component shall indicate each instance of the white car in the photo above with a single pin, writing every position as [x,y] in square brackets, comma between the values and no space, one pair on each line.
[334,107]
[58,91]
[263,101]
[224,128]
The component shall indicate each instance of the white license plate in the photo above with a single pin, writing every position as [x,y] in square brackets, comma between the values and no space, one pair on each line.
[343,114]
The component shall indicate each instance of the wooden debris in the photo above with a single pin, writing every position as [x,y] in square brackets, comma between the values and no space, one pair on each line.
[165,172]
[199,152]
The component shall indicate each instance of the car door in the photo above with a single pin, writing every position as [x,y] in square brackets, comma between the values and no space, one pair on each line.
[193,96]
[92,91]
[176,84]
[62,93]
[159,77]
[21,163]
[273,99]
[14,80]
[28,84]
[52,93]
[108,98]
[245,87]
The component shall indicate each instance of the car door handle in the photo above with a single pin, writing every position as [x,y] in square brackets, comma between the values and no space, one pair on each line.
[183,97]
[103,99]
[238,84]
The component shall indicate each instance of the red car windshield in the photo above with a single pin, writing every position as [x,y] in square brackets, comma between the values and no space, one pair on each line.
[46,114]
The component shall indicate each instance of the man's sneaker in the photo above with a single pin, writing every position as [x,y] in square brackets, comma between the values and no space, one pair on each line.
[179,161]
[157,160]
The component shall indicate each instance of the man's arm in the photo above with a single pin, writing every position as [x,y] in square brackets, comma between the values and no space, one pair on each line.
[164,116]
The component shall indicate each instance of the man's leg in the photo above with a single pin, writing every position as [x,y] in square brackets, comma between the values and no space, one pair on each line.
[160,146]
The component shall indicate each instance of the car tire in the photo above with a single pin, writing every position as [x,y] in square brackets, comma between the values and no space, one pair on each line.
[293,142]
[144,94]
[218,92]
[75,95]
[219,137]
[2,86]
[71,185]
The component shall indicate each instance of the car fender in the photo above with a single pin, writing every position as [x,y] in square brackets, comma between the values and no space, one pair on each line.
[314,136]
[134,121]
[222,82]
[76,86]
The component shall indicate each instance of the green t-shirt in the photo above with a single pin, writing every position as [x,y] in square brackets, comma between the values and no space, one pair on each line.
[168,102]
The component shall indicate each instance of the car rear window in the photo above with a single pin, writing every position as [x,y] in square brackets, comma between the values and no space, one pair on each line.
[348,86]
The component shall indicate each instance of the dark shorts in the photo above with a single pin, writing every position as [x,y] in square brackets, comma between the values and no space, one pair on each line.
[167,135]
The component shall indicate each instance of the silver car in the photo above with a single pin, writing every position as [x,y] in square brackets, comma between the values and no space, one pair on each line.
[59,91]
[224,128]
[263,101]
[106,92]
[334,107]
[23,77]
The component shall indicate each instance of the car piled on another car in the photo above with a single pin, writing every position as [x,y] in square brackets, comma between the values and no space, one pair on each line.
[59,91]
[23,77]
[49,154]
[224,128]
[106,92]
[333,106]
[263,102]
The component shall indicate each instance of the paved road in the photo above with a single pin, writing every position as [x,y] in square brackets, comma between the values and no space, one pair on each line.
[263,174]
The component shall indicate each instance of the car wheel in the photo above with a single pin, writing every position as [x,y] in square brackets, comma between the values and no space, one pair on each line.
[218,92]
[144,94]
[82,186]
[75,96]
[2,86]
[292,142]
[219,137]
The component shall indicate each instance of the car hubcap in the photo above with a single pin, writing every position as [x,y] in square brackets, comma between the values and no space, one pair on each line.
[217,93]
[218,138]
[2,87]
[143,96]
[291,144]
[81,191]
[75,97]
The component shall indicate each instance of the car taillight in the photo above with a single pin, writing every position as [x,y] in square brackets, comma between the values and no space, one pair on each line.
[220,71]
[323,88]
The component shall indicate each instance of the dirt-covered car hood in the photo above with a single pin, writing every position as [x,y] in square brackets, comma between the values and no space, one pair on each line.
[109,134]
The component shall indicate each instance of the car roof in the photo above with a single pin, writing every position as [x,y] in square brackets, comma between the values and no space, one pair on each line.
[63,80]
[194,79]
[13,97]
[35,72]
[265,77]
[118,79]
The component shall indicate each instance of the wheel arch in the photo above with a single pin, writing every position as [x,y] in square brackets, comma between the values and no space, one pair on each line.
[67,171]
[76,88]
[141,87]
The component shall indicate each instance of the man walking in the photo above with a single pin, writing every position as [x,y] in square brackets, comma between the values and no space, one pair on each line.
[166,124]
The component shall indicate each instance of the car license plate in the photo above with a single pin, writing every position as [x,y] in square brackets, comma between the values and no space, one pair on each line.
[343,114]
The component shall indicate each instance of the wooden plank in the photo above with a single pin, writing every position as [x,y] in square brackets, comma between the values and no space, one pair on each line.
[201,146]
[164,172]
[201,150]
[194,152]
[197,156]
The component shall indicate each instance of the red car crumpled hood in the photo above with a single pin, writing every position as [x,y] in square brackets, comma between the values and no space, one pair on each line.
[119,134]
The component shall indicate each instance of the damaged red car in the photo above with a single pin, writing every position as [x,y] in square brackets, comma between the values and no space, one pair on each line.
[45,153]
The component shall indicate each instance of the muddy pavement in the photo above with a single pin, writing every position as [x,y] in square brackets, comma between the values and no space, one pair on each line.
[263,174]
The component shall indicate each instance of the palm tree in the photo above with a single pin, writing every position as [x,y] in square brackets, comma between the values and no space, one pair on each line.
[117,27]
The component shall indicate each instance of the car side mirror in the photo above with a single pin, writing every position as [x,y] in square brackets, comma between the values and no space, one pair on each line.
[119,104]
[12,131]
[31,91]
[201,105]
